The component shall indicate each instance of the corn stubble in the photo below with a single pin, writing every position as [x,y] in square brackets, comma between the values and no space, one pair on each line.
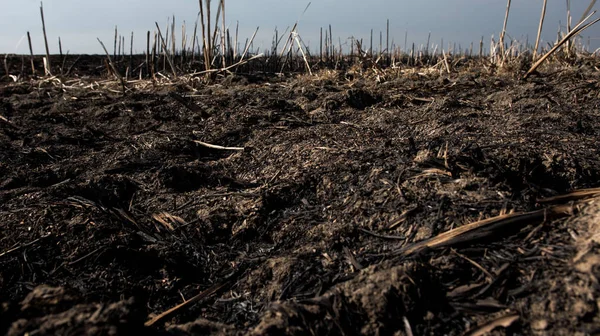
[216,50]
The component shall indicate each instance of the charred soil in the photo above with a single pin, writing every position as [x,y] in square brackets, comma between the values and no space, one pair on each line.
[113,209]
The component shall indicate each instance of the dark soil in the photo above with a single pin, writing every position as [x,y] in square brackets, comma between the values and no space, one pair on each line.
[111,213]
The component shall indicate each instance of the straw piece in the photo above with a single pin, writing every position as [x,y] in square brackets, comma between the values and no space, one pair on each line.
[47,66]
[576,30]
[539,33]
[573,196]
[112,66]
[208,292]
[205,144]
[166,53]
[498,225]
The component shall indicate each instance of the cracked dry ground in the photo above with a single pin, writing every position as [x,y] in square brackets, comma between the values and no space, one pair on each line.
[111,213]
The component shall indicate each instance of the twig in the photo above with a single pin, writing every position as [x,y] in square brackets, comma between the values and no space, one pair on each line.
[72,66]
[472,262]
[227,68]
[576,30]
[503,321]
[485,228]
[573,196]
[248,45]
[112,66]
[47,68]
[165,50]
[218,147]
[539,33]
[446,62]
[86,256]
[352,259]
[31,53]
[208,292]
[303,54]
[20,246]
[8,122]
[504,29]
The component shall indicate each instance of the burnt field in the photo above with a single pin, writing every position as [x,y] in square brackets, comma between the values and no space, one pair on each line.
[401,202]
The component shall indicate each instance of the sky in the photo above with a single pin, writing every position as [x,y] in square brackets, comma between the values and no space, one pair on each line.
[78,23]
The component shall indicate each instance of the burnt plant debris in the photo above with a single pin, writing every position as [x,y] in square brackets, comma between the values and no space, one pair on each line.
[399,201]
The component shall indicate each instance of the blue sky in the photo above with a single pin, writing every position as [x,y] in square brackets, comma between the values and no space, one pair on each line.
[78,22]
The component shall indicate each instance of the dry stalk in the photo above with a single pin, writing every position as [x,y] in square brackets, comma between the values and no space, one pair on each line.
[446,62]
[47,67]
[573,196]
[183,43]
[208,292]
[539,33]
[568,43]
[112,66]
[166,52]
[235,41]
[148,53]
[248,45]
[576,30]
[297,38]
[6,65]
[504,28]
[194,41]
[31,53]
[241,62]
[223,29]
[115,45]
[207,145]
[173,46]
[494,226]
[587,11]
[205,18]
[215,33]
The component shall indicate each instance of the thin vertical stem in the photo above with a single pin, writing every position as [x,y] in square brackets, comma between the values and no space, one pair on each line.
[209,35]
[112,66]
[568,44]
[148,52]
[173,46]
[183,44]
[194,41]
[371,44]
[539,33]
[387,38]
[115,47]
[205,36]
[31,53]
[166,51]
[6,68]
[331,41]
[131,53]
[504,28]
[380,42]
[154,58]
[235,43]
[223,28]
[481,47]
[321,44]
[48,68]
